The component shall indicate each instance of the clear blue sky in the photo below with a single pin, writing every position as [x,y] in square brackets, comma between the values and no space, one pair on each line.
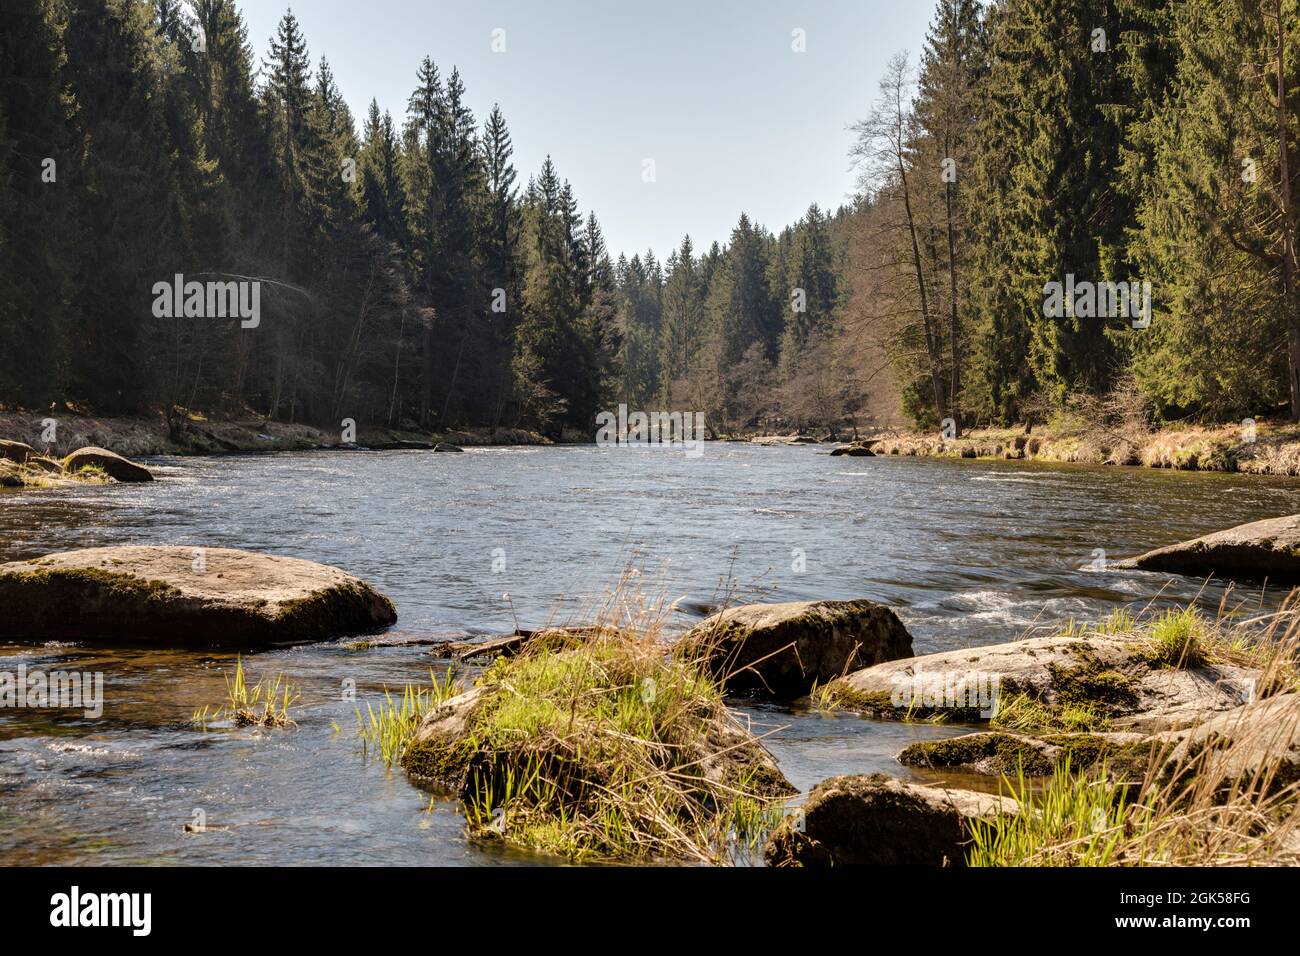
[709,89]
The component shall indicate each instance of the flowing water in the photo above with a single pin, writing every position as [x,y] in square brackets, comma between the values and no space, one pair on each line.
[968,552]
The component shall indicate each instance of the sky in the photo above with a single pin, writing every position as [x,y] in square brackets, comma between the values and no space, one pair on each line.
[711,92]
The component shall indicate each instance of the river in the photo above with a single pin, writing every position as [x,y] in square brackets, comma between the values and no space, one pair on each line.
[968,553]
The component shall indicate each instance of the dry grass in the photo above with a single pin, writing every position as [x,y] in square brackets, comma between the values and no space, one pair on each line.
[31,475]
[597,742]
[1233,802]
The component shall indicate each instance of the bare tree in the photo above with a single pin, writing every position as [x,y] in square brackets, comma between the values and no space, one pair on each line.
[882,155]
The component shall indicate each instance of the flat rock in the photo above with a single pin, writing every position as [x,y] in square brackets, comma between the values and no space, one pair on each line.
[876,820]
[117,467]
[46,464]
[184,596]
[1002,754]
[783,649]
[1255,551]
[783,440]
[16,450]
[1108,672]
[443,446]
[853,451]
[1257,745]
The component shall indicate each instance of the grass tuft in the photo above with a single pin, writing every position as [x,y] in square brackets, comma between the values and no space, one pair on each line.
[387,731]
[601,744]
[264,704]
[1025,714]
[1177,639]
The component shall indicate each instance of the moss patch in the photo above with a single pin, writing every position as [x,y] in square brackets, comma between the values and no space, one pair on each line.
[603,746]
[1003,754]
[990,753]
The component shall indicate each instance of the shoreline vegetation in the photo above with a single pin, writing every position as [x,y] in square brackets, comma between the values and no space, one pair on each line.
[613,741]
[1260,449]
[1251,448]
[439,284]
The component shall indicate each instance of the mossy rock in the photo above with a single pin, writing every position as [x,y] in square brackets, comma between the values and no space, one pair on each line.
[876,820]
[16,451]
[999,754]
[111,463]
[785,649]
[1066,682]
[1268,549]
[184,597]
[553,744]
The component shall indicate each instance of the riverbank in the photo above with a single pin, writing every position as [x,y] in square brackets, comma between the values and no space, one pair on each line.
[1264,448]
[151,435]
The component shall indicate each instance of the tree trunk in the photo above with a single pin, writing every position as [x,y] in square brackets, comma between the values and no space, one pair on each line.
[931,347]
[426,390]
[1291,312]
[954,393]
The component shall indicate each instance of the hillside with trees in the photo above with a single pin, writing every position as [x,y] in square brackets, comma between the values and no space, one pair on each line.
[412,277]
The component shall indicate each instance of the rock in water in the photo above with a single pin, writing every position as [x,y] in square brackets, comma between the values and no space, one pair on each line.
[1108,674]
[783,649]
[184,596]
[46,464]
[15,450]
[116,467]
[853,451]
[443,446]
[879,821]
[1261,549]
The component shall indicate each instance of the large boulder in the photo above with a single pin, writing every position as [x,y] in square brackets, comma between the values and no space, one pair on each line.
[113,464]
[879,821]
[15,451]
[1110,676]
[783,649]
[184,596]
[1255,551]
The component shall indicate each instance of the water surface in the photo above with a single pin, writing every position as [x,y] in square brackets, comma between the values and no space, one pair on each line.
[968,552]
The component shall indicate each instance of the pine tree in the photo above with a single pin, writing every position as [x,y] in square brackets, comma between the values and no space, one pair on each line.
[41,229]
[1217,219]
[953,63]
[683,314]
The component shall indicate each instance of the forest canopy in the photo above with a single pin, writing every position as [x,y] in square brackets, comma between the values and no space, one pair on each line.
[410,277]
